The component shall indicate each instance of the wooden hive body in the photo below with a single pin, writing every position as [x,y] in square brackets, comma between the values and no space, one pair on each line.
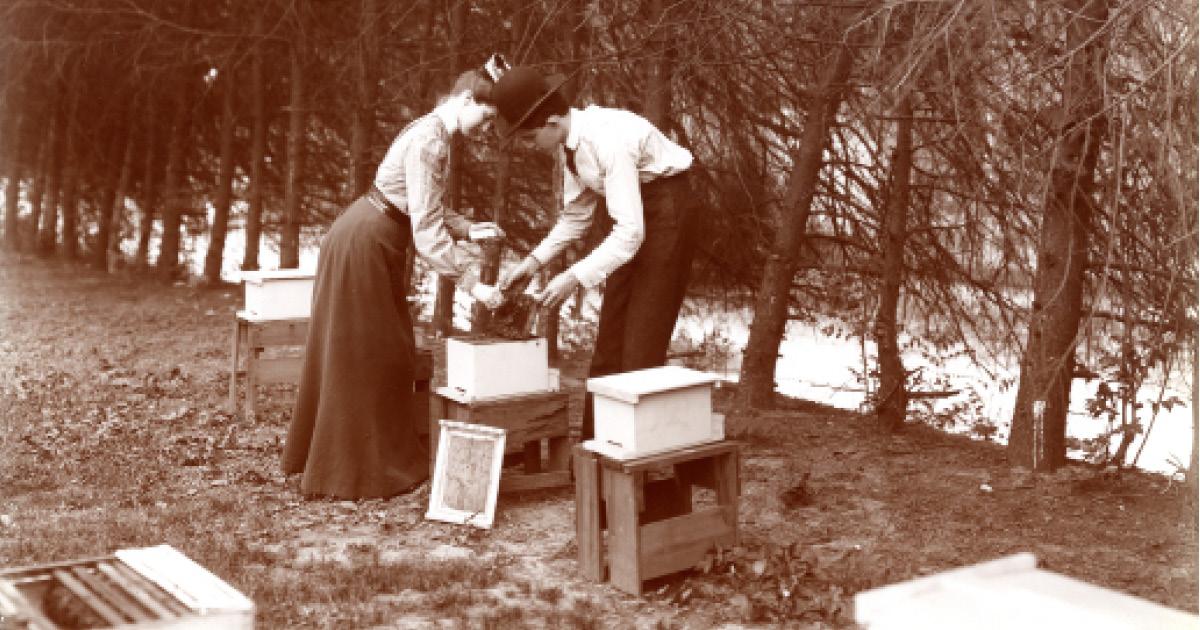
[653,410]
[280,294]
[481,368]
[1010,592]
[153,587]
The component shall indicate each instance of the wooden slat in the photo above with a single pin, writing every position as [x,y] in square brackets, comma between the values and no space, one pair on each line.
[288,332]
[13,600]
[525,418]
[673,457]
[535,481]
[556,397]
[665,498]
[113,595]
[47,568]
[558,456]
[728,478]
[277,370]
[680,543]
[587,515]
[176,607]
[620,494]
[239,333]
[423,367]
[533,457]
[700,472]
[110,616]
[137,591]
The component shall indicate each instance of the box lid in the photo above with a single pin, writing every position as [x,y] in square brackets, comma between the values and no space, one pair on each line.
[259,276]
[631,386]
[180,576]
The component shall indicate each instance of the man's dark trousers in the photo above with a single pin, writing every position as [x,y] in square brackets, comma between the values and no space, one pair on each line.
[642,297]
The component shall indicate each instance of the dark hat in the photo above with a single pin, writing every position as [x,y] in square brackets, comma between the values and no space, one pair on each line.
[519,93]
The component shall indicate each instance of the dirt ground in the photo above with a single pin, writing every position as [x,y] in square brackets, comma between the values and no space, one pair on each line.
[114,433]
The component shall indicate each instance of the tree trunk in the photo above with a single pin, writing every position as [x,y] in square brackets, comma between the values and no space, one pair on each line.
[443,309]
[489,266]
[47,234]
[37,195]
[289,239]
[149,194]
[1193,471]
[420,86]
[174,187]
[114,206]
[1038,438]
[224,194]
[70,188]
[362,166]
[112,197]
[258,148]
[12,192]
[549,321]
[757,377]
[658,84]
[892,401]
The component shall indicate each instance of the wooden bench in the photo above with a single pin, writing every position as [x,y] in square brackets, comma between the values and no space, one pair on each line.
[530,420]
[653,528]
[254,335]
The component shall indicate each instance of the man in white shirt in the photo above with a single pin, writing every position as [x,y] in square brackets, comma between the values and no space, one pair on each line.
[621,158]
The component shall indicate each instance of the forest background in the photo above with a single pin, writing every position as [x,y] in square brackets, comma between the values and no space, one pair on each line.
[994,180]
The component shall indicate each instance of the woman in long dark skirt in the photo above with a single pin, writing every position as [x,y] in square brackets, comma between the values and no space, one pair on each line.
[352,434]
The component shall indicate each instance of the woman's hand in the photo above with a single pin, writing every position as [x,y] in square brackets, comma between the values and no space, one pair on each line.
[487,294]
[484,231]
[518,276]
[559,289]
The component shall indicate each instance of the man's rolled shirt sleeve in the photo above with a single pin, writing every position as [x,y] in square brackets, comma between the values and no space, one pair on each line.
[578,205]
[623,196]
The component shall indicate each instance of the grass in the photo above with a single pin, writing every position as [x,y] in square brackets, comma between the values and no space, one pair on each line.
[113,434]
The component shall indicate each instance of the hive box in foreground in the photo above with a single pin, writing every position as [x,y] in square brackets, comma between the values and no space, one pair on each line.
[151,587]
[279,294]
[1009,593]
[653,410]
[481,368]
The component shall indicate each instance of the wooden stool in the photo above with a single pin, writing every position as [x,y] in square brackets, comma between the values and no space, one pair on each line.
[529,420]
[653,529]
[256,334]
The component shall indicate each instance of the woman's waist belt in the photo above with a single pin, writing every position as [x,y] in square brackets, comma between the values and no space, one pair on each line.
[376,198]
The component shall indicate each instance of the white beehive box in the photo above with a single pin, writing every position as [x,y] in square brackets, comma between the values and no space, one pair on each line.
[657,409]
[489,368]
[1009,593]
[278,294]
[150,587]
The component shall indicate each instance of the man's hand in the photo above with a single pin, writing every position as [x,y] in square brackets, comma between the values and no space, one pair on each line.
[487,294]
[559,289]
[519,275]
[484,231]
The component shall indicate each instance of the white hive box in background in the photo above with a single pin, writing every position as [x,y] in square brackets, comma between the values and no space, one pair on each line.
[152,587]
[279,294]
[490,368]
[1010,593]
[657,409]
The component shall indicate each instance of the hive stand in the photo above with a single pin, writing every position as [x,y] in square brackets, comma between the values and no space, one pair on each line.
[529,419]
[653,529]
[252,335]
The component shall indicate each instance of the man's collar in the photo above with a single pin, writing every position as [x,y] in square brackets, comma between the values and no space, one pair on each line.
[448,115]
[573,118]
